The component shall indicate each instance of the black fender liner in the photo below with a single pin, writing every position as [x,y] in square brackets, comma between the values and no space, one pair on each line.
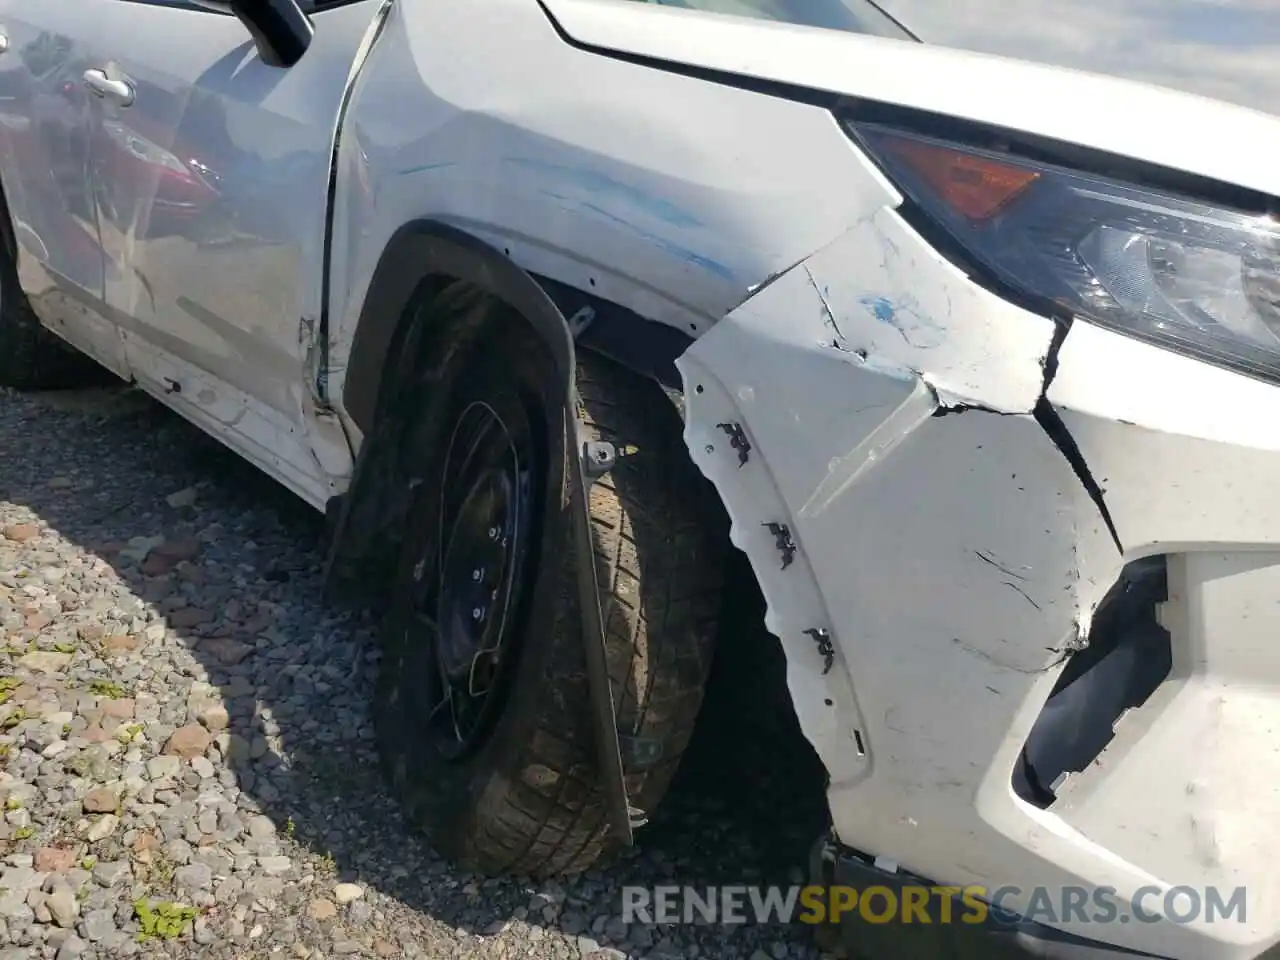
[423,249]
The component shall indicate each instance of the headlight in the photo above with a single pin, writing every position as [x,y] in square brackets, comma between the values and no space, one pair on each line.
[1193,277]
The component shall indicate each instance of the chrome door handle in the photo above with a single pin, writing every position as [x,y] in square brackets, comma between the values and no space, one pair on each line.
[121,91]
[4,43]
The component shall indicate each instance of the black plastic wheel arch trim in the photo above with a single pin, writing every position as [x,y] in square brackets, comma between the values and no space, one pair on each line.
[422,249]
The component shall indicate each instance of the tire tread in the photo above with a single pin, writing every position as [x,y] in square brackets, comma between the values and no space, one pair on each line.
[659,650]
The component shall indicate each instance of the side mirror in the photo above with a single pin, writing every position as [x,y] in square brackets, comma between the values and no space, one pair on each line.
[280,29]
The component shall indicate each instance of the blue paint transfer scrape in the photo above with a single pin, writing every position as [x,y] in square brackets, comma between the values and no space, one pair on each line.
[914,327]
[676,250]
[881,308]
[597,184]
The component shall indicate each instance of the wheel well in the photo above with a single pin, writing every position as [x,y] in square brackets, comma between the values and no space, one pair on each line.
[402,334]
[641,345]
[749,753]
[416,343]
[407,331]
[423,257]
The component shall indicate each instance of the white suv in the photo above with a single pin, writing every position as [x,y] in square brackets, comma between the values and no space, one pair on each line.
[980,357]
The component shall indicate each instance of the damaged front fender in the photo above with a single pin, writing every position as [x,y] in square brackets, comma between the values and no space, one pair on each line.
[881,295]
[940,568]
[937,490]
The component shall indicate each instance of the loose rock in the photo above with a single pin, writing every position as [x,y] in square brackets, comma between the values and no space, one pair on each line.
[214,717]
[63,906]
[194,876]
[72,948]
[54,859]
[161,768]
[182,498]
[121,643]
[204,768]
[322,910]
[110,872]
[45,661]
[347,892]
[275,866]
[102,828]
[187,742]
[101,800]
[98,924]
[187,617]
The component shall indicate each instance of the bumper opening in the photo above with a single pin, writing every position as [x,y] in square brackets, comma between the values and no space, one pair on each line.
[1128,657]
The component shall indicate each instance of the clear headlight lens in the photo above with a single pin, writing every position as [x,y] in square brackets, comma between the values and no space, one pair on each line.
[1196,278]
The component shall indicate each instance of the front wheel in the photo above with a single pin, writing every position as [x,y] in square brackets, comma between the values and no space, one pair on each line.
[483,704]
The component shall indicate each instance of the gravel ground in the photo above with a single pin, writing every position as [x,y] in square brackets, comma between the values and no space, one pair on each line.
[184,725]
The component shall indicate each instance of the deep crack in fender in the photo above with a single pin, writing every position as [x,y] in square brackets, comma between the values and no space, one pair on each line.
[935,555]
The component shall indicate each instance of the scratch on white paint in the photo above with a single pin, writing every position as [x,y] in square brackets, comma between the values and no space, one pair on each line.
[847,468]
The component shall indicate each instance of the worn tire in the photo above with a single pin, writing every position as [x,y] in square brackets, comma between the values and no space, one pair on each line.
[32,358]
[529,801]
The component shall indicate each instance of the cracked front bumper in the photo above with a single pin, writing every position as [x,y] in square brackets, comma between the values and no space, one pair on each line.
[950,554]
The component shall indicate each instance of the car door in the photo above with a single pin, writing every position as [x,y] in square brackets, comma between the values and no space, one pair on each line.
[213,175]
[44,157]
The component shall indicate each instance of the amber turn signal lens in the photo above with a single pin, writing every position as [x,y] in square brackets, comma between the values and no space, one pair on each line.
[976,187]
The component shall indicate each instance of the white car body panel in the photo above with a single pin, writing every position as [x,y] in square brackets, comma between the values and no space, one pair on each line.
[234,312]
[981,514]
[586,176]
[946,543]
[221,302]
[1086,109]
[48,188]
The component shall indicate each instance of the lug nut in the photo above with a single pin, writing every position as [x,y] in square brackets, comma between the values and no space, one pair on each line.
[477,613]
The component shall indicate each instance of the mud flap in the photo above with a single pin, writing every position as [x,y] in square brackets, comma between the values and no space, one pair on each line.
[594,460]
[587,462]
